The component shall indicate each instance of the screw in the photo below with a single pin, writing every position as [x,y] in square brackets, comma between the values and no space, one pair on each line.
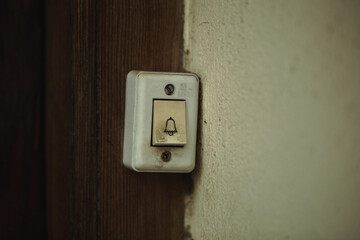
[169,89]
[166,156]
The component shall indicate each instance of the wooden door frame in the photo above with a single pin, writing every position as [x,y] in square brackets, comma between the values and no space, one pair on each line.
[90,48]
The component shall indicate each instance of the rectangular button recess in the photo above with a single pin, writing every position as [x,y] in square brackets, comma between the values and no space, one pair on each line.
[169,123]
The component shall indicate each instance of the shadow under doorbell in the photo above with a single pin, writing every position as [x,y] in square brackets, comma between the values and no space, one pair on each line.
[161,112]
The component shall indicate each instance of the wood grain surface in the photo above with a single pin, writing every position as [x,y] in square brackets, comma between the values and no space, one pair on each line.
[22,175]
[91,46]
[59,121]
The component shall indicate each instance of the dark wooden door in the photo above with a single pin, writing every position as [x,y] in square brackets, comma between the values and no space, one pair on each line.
[90,48]
[22,176]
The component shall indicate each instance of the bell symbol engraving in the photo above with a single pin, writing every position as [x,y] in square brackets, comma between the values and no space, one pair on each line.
[170,127]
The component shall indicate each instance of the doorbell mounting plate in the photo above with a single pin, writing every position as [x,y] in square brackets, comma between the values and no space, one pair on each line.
[160,121]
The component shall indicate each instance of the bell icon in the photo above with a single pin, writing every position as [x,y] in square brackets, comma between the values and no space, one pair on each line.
[170,127]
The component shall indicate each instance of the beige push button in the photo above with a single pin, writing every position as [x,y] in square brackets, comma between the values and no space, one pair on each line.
[169,123]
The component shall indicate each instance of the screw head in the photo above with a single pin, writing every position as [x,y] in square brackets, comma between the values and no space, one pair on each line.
[166,156]
[169,89]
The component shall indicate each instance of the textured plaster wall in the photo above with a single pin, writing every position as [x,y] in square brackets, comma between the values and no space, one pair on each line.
[280,135]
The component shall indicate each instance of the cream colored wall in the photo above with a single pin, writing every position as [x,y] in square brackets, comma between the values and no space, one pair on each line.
[280,132]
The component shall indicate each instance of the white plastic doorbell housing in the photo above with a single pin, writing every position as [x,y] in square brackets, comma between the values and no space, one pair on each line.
[160,121]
